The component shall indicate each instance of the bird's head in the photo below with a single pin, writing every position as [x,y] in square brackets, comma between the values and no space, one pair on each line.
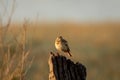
[59,38]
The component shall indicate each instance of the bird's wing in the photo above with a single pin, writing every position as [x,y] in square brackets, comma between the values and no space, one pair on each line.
[64,41]
[66,44]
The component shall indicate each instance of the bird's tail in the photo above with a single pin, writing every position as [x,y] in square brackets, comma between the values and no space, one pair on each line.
[69,54]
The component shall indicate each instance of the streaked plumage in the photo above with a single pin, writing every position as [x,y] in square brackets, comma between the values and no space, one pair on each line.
[62,45]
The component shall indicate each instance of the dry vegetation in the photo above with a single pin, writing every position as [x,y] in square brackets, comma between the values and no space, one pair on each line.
[24,47]
[97,46]
[13,54]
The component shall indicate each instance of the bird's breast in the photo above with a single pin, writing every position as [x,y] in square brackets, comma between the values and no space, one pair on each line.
[58,46]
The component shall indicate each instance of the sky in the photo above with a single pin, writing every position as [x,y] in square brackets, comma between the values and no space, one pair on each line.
[80,10]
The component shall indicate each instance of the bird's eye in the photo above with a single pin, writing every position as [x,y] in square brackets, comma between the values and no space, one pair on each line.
[58,41]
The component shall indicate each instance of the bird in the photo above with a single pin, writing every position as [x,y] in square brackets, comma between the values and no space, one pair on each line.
[62,45]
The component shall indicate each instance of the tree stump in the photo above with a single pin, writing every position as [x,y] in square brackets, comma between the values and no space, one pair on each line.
[62,68]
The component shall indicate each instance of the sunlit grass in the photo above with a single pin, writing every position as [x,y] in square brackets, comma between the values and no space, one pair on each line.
[97,46]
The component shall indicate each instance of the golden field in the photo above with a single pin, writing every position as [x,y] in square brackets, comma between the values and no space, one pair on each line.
[96,45]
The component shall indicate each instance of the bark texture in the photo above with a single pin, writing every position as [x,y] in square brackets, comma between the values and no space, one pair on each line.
[62,68]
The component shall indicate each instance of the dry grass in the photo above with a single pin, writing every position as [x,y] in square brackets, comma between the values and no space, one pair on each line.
[13,54]
[97,45]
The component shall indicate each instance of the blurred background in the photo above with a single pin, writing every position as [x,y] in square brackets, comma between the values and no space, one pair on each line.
[28,29]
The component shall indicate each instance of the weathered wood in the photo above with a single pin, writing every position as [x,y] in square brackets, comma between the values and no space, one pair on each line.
[62,68]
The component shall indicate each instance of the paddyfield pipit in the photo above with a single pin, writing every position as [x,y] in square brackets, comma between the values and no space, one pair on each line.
[62,45]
